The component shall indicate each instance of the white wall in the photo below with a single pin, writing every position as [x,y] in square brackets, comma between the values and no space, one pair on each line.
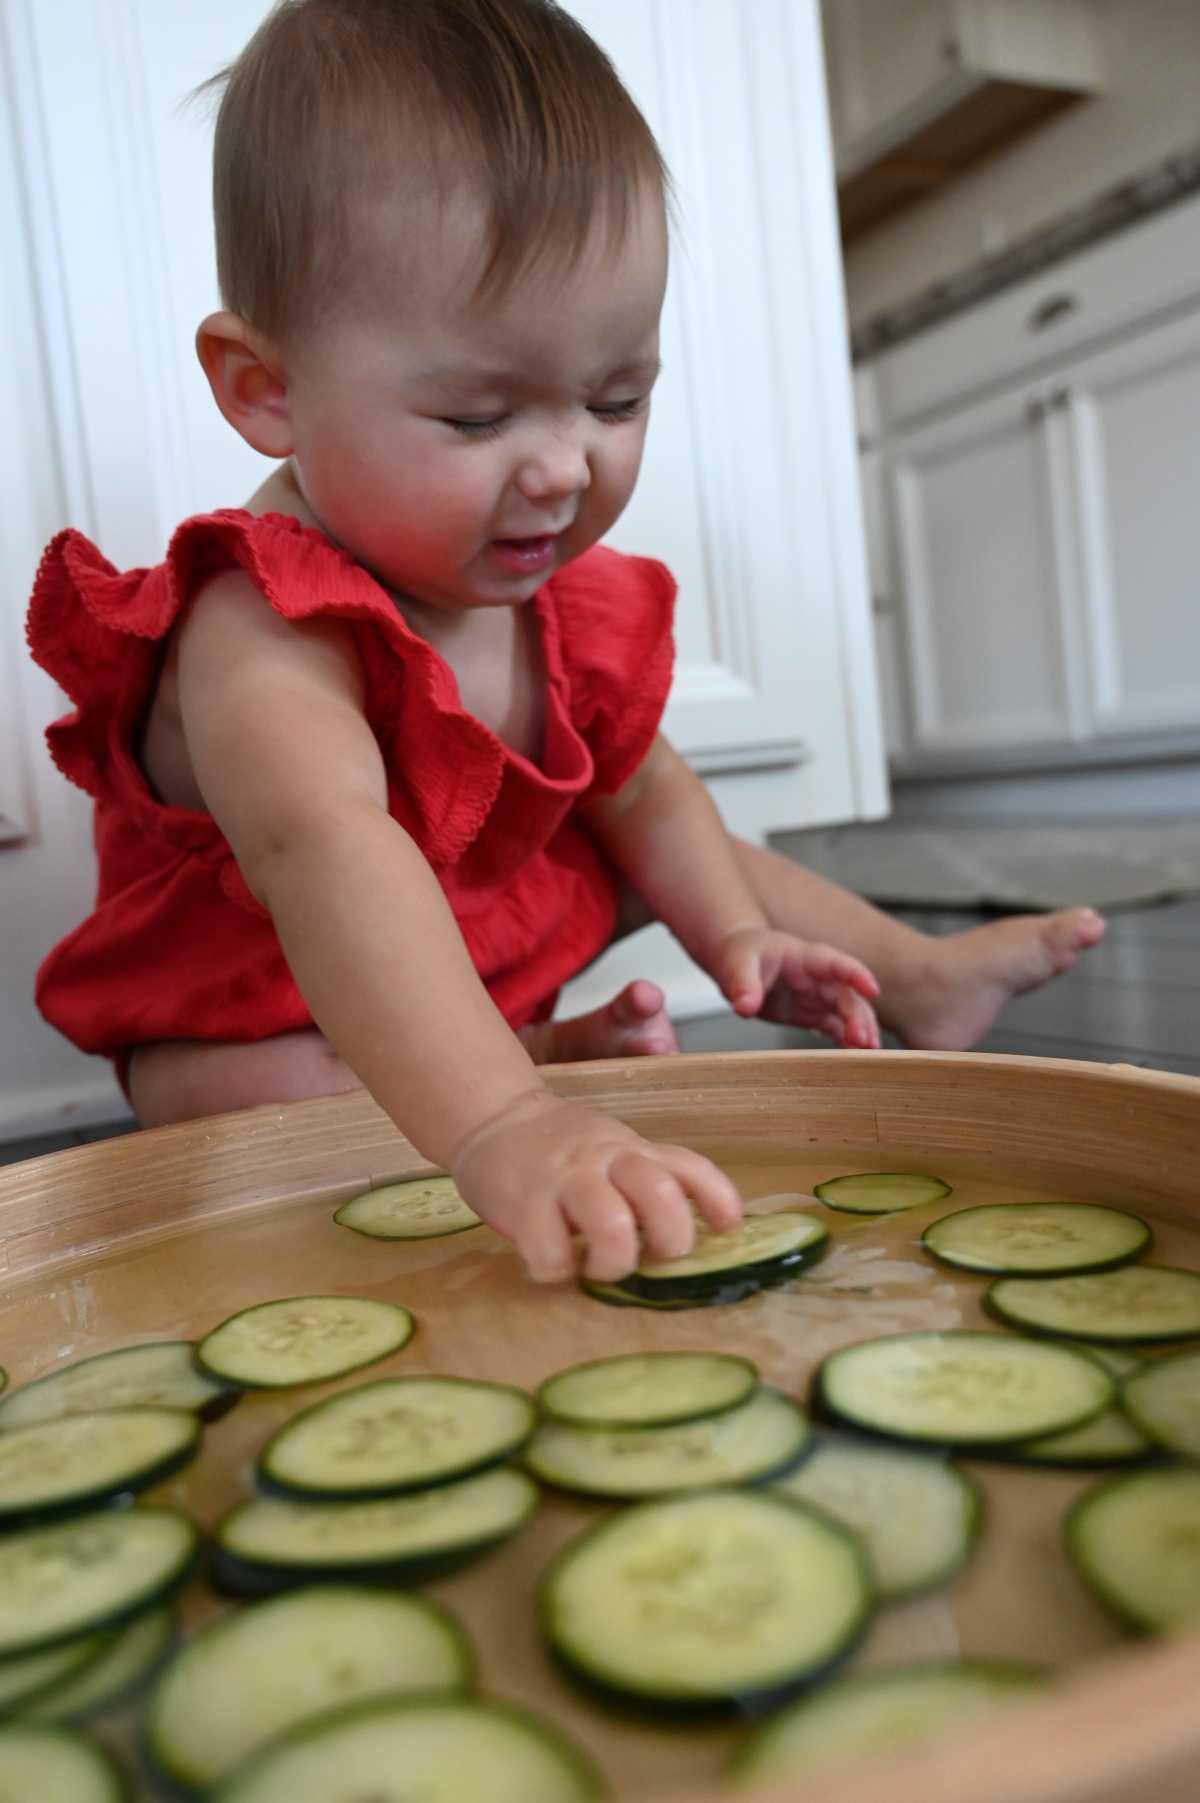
[1151,108]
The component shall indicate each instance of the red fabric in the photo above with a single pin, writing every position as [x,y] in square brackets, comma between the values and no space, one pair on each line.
[177,947]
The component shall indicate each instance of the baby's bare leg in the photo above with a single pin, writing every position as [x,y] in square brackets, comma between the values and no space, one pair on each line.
[183,1079]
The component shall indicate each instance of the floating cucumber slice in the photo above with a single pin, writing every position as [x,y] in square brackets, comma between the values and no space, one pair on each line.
[616,1297]
[73,1577]
[647,1389]
[260,1671]
[162,1375]
[1163,1399]
[303,1340]
[705,1601]
[1110,1438]
[916,1514]
[397,1434]
[880,1192]
[272,1542]
[126,1661]
[56,1467]
[760,1437]
[1135,1539]
[1135,1303]
[24,1680]
[963,1388]
[424,1208]
[440,1751]
[724,1267]
[54,1765]
[875,1710]
[1035,1238]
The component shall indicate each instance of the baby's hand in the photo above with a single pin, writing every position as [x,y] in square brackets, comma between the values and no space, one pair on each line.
[546,1170]
[781,978]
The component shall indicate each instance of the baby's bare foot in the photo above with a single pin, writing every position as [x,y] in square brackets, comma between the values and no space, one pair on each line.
[633,1025]
[955,993]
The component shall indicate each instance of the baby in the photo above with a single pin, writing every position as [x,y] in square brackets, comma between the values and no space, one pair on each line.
[376,757]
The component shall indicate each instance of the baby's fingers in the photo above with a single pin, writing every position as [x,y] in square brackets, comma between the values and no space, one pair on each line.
[545,1243]
[604,1219]
[825,965]
[656,1196]
[711,1192]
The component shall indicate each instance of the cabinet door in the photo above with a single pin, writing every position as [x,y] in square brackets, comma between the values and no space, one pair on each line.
[1133,416]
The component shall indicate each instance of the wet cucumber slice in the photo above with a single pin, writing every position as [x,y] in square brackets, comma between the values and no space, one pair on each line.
[963,1388]
[706,1601]
[724,1267]
[1037,1238]
[880,1709]
[125,1662]
[260,1671]
[1163,1400]
[424,1208]
[1134,1541]
[917,1514]
[1138,1303]
[880,1192]
[398,1434]
[54,1765]
[94,1572]
[59,1467]
[161,1375]
[760,1437]
[647,1389]
[271,1542]
[303,1340]
[24,1681]
[400,1749]
[1110,1438]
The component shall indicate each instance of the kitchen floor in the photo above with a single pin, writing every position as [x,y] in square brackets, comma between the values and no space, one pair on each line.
[1134,999]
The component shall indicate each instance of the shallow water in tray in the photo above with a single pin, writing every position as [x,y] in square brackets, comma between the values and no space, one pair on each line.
[478,1317]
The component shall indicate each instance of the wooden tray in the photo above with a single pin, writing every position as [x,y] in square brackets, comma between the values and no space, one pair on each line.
[163,1233]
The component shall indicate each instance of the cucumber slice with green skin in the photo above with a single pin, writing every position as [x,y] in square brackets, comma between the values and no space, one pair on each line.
[1135,1540]
[1163,1400]
[425,1208]
[1109,1438]
[303,1340]
[760,1438]
[23,1681]
[53,1765]
[648,1389]
[260,1671]
[162,1375]
[1037,1238]
[962,1388]
[616,1297]
[69,1465]
[701,1602]
[875,1710]
[397,1434]
[880,1192]
[94,1572]
[442,1751]
[917,1515]
[1138,1304]
[126,1661]
[764,1250]
[272,1544]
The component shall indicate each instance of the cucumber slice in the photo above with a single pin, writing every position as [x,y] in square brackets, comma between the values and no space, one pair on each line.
[53,1765]
[270,1543]
[1110,1438]
[1136,1303]
[94,1572]
[1037,1237]
[880,1192]
[648,1389]
[1134,1539]
[426,1208]
[962,1388]
[265,1669]
[303,1340]
[723,1267]
[1163,1400]
[24,1680]
[126,1661]
[59,1467]
[400,1433]
[917,1515]
[703,1601]
[442,1751]
[875,1710]
[760,1437]
[161,1375]
[616,1297]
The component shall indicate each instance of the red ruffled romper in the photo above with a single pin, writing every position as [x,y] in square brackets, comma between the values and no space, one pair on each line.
[177,947]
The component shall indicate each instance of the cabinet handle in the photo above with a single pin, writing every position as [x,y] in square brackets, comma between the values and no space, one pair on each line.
[1050,311]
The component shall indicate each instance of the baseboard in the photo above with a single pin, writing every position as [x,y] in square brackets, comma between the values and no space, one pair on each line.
[66,1108]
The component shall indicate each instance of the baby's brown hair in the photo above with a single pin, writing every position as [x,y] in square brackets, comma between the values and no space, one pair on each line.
[335,100]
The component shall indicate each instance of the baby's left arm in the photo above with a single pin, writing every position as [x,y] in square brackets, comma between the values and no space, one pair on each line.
[665,835]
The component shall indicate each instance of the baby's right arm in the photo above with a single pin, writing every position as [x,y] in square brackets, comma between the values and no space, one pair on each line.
[289,768]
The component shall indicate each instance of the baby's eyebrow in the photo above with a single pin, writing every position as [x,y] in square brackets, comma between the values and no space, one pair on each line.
[641,371]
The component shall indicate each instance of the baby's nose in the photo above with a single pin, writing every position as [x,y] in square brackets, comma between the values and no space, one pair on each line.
[558,465]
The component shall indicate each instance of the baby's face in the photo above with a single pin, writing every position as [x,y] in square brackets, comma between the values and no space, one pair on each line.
[464,451]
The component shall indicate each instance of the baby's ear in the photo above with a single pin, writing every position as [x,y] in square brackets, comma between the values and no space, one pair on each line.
[248,381]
